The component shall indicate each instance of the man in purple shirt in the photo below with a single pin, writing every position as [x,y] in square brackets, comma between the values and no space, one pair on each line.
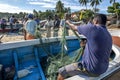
[95,59]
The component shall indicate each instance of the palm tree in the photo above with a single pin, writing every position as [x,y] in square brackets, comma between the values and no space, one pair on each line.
[112,1]
[59,7]
[84,2]
[67,10]
[60,10]
[35,12]
[94,4]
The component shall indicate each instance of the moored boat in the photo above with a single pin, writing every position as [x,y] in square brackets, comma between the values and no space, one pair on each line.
[27,57]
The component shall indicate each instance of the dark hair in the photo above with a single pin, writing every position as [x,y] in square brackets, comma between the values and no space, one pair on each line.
[49,17]
[13,16]
[101,18]
[31,16]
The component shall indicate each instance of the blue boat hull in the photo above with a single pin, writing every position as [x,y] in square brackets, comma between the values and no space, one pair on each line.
[24,54]
[28,56]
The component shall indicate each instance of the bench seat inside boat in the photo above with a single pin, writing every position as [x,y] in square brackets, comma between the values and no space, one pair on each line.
[28,68]
[113,66]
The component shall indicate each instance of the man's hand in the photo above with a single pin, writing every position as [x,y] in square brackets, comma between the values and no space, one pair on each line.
[68,22]
[72,26]
[67,16]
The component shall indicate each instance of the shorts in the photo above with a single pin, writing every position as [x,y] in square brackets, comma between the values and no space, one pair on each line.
[75,69]
[29,36]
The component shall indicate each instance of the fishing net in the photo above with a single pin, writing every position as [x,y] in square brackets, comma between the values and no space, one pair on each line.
[54,62]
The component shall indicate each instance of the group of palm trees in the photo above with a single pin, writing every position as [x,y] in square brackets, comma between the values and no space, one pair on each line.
[93,3]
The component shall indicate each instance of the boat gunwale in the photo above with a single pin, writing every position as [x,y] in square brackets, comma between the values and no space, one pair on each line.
[23,43]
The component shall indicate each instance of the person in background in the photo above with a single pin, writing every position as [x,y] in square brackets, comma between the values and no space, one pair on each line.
[48,26]
[56,26]
[95,59]
[12,19]
[30,27]
[37,20]
[90,20]
[82,45]
[3,24]
[23,28]
[62,24]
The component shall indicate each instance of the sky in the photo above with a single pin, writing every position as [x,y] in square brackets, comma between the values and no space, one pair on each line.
[16,6]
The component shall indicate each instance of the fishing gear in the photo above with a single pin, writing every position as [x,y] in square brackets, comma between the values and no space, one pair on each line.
[55,62]
[38,35]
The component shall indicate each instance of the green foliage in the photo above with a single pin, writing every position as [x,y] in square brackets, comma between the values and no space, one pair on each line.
[112,1]
[84,2]
[59,7]
[87,14]
[115,8]
[117,11]
[17,15]
[44,15]
[94,3]
[58,61]
[116,5]
[35,12]
[54,62]
[110,9]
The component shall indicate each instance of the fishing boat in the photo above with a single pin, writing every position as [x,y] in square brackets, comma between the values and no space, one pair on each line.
[16,27]
[27,57]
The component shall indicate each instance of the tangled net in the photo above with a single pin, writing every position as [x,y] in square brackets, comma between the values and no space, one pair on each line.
[54,62]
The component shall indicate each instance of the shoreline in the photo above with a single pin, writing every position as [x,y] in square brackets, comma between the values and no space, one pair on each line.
[11,37]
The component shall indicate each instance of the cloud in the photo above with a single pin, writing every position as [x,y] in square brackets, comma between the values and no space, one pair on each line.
[75,7]
[12,9]
[37,3]
[52,3]
[43,4]
[43,1]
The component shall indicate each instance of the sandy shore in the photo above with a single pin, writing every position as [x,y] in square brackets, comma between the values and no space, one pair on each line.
[11,37]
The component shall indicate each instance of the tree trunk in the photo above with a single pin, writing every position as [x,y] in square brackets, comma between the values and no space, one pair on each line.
[95,9]
[86,7]
[117,21]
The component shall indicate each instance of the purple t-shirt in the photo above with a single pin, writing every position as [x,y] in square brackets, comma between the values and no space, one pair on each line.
[97,51]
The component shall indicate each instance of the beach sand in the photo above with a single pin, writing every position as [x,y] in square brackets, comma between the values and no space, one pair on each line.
[11,37]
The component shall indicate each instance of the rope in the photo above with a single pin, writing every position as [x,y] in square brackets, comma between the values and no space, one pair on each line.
[38,35]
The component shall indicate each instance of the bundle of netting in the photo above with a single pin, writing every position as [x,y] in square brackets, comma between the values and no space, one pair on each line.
[54,62]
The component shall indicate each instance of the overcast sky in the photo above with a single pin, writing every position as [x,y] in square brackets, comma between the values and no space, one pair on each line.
[16,6]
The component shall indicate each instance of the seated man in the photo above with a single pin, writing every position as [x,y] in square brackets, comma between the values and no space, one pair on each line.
[82,45]
[96,55]
[77,54]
